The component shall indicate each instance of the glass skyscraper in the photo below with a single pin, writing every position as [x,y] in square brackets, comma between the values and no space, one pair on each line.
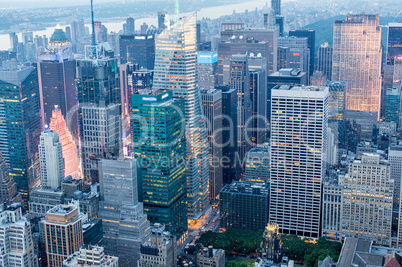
[20,126]
[394,48]
[357,60]
[160,148]
[175,69]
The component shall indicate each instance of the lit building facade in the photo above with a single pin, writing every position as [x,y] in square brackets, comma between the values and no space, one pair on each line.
[257,164]
[175,69]
[51,159]
[8,188]
[299,123]
[357,60]
[159,146]
[367,200]
[336,100]
[69,147]
[138,48]
[207,69]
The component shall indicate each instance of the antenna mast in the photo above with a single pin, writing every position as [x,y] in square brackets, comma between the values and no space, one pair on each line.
[93,23]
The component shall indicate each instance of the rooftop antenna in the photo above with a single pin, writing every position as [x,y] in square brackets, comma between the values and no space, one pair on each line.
[93,23]
[176,12]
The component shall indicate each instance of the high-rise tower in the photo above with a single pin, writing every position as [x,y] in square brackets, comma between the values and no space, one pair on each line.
[51,159]
[175,69]
[299,123]
[357,60]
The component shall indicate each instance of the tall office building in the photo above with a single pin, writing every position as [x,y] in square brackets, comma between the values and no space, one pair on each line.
[13,41]
[258,42]
[394,47]
[207,69]
[258,168]
[270,19]
[230,171]
[174,73]
[98,93]
[331,225]
[298,158]
[395,162]
[138,48]
[63,233]
[125,226]
[276,6]
[159,144]
[163,20]
[56,74]
[159,250]
[310,35]
[357,60]
[16,239]
[8,188]
[392,105]
[324,60]
[295,53]
[130,26]
[212,102]
[367,200]
[258,96]
[51,159]
[239,79]
[21,126]
[69,147]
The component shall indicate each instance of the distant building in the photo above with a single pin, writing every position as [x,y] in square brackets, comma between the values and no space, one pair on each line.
[293,53]
[130,26]
[17,247]
[207,69]
[336,100]
[324,62]
[367,200]
[392,105]
[63,233]
[160,250]
[258,95]
[394,48]
[244,205]
[138,48]
[310,35]
[93,256]
[257,164]
[163,19]
[41,200]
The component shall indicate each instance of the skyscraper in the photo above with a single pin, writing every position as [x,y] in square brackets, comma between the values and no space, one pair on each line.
[51,159]
[125,226]
[324,62]
[394,47]
[175,65]
[63,233]
[98,91]
[239,79]
[130,26]
[299,120]
[367,200]
[138,48]
[212,102]
[159,145]
[8,188]
[296,54]
[16,239]
[258,168]
[395,162]
[70,154]
[20,126]
[258,96]
[276,6]
[162,19]
[336,100]
[310,35]
[357,60]
[207,69]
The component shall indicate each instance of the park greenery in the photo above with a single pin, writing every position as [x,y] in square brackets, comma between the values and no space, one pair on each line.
[239,242]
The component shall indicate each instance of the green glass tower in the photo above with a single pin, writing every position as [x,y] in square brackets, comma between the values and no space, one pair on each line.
[20,127]
[160,148]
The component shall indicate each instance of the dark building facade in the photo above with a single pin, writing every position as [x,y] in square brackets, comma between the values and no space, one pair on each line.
[244,205]
[258,95]
[324,60]
[394,42]
[310,35]
[139,48]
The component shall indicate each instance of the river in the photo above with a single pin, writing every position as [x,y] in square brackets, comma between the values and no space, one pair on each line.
[209,12]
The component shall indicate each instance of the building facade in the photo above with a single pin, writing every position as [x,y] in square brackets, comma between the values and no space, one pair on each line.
[159,146]
[174,73]
[298,158]
[367,200]
[257,165]
[207,69]
[357,60]
[51,159]
[324,60]
[331,224]
[138,48]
